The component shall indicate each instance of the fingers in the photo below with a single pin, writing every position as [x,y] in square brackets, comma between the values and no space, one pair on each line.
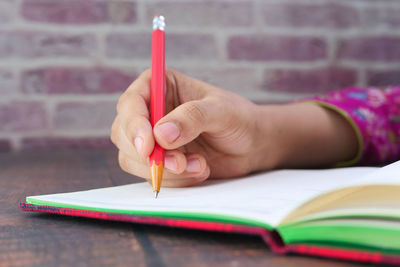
[133,115]
[194,172]
[186,122]
[138,131]
[133,150]
[189,181]
[133,135]
[190,118]
[136,97]
[175,161]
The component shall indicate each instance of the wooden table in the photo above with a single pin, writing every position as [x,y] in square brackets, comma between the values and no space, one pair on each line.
[32,239]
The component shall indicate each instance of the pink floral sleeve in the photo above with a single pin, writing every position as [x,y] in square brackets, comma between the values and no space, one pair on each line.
[375,116]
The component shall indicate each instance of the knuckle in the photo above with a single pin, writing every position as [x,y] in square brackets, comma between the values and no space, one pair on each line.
[114,125]
[131,125]
[146,72]
[195,112]
[114,138]
[170,73]
[171,78]
[169,70]
[114,132]
[123,162]
[120,103]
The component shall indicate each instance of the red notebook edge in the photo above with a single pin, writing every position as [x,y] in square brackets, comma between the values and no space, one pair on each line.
[272,238]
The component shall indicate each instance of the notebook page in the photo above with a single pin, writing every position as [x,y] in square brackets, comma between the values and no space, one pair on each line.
[375,195]
[265,197]
[388,175]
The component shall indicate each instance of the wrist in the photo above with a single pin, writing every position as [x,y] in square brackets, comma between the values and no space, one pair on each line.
[301,135]
[269,127]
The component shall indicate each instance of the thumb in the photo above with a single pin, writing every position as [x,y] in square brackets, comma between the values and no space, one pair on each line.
[186,122]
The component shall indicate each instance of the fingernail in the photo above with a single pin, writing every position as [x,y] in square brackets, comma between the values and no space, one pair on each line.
[193,165]
[170,163]
[139,144]
[169,131]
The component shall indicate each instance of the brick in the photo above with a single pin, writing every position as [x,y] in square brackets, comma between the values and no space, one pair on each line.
[6,11]
[383,78]
[386,18]
[78,12]
[178,46]
[22,116]
[309,15]
[50,143]
[7,83]
[84,116]
[40,44]
[197,13]
[191,46]
[121,45]
[238,79]
[379,2]
[70,80]
[269,48]
[5,146]
[309,81]
[8,43]
[381,48]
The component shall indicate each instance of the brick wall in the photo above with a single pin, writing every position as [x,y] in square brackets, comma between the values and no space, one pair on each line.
[63,63]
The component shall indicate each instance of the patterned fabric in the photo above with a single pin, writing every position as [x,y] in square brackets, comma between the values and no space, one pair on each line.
[375,116]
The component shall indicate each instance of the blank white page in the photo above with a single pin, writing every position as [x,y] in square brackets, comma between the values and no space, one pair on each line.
[266,197]
[388,175]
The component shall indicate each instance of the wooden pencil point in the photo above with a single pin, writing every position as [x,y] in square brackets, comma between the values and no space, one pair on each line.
[156,171]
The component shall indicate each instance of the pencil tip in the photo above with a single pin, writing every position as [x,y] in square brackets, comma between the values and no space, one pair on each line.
[156,194]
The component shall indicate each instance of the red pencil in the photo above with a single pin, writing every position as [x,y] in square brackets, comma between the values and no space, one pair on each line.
[157,104]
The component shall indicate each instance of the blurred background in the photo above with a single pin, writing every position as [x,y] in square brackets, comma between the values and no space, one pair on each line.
[64,63]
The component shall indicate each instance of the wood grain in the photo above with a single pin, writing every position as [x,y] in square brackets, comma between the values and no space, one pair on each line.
[30,239]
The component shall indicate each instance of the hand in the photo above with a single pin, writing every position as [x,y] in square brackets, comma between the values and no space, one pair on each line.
[210,132]
[207,131]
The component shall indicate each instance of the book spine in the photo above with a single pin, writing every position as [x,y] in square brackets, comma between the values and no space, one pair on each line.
[343,254]
[271,237]
[170,222]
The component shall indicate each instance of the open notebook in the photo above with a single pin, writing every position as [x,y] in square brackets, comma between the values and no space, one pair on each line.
[346,213]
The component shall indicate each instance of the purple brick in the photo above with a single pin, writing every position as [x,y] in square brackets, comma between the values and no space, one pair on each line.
[375,17]
[269,48]
[190,46]
[370,48]
[84,116]
[198,13]
[8,44]
[381,2]
[6,11]
[50,143]
[22,116]
[69,80]
[7,83]
[178,46]
[31,44]
[121,45]
[238,79]
[309,15]
[78,12]
[309,81]
[5,146]
[383,78]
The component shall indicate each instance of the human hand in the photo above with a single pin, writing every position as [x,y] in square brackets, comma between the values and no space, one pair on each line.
[206,132]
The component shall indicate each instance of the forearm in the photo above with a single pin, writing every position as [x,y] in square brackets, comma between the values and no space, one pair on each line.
[303,135]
